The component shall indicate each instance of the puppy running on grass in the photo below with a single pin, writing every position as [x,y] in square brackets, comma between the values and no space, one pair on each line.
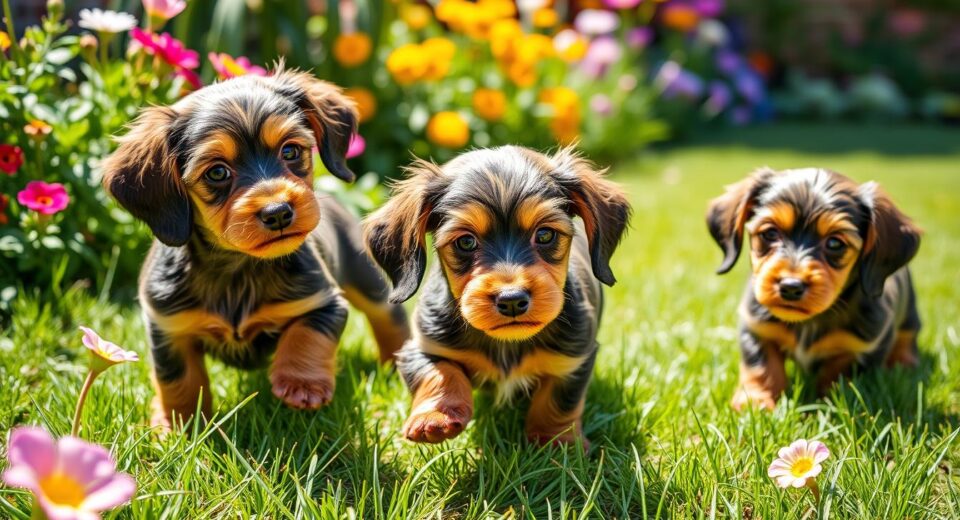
[248,261]
[830,285]
[515,297]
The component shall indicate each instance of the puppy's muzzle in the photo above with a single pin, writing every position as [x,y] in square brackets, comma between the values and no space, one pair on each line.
[277,216]
[791,289]
[512,302]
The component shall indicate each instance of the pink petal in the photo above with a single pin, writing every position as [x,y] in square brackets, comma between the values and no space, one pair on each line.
[34,448]
[22,477]
[57,512]
[87,463]
[113,492]
[800,482]
[785,481]
[820,451]
[778,468]
[814,471]
[90,338]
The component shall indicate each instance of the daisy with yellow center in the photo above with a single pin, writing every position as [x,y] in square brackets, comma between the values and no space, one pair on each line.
[798,465]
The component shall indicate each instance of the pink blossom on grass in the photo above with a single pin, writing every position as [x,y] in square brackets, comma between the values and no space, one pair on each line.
[799,464]
[70,478]
[105,353]
[44,198]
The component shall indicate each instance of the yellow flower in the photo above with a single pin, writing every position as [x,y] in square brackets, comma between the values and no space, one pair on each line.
[489,104]
[448,129]
[4,41]
[439,54]
[416,16]
[565,105]
[545,18]
[503,35]
[570,45]
[352,50]
[365,100]
[37,129]
[406,64]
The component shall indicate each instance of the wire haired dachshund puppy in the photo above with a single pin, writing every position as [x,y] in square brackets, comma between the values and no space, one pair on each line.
[515,298]
[830,287]
[248,261]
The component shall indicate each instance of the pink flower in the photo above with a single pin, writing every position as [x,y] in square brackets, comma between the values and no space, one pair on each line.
[192,77]
[44,198]
[164,9]
[168,48]
[105,353]
[601,104]
[228,67]
[71,479]
[603,52]
[798,463]
[356,147]
[596,21]
[621,4]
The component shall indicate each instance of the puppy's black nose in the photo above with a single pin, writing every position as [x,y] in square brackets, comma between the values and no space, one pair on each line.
[792,289]
[512,302]
[276,216]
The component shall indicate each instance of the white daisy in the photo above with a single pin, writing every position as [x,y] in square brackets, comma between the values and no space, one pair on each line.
[102,21]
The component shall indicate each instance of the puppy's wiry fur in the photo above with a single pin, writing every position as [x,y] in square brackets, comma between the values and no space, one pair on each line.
[829,286]
[248,260]
[514,298]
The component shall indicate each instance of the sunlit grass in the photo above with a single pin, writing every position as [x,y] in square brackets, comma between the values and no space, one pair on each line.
[665,442]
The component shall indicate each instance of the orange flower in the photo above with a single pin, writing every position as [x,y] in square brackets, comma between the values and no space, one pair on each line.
[416,16]
[406,64]
[448,129]
[37,129]
[503,35]
[4,41]
[565,105]
[351,50]
[490,104]
[545,18]
[365,100]
[680,17]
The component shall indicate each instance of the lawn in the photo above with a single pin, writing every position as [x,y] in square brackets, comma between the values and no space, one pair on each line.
[665,442]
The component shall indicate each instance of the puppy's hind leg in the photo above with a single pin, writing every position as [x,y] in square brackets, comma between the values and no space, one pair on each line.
[556,408]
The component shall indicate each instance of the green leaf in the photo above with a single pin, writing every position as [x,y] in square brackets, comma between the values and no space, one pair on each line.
[52,242]
[60,55]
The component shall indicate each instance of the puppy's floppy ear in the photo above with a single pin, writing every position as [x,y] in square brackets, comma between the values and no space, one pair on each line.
[396,233]
[142,175]
[332,116]
[600,203]
[729,213]
[891,240]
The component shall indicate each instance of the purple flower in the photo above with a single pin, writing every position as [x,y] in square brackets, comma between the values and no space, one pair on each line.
[639,37]
[748,85]
[728,61]
[595,22]
[603,52]
[675,81]
[718,98]
[708,8]
[740,115]
[601,104]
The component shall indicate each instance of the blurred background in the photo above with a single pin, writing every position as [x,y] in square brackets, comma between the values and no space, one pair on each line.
[617,77]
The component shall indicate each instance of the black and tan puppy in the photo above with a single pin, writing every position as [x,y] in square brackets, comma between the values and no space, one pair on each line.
[248,260]
[514,299]
[830,287]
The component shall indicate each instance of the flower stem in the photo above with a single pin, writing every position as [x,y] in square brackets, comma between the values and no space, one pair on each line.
[91,375]
[812,484]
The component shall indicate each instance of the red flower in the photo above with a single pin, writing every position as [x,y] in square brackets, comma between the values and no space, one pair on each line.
[4,202]
[44,198]
[11,157]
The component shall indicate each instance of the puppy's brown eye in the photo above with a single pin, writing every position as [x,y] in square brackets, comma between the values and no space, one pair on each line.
[834,245]
[770,235]
[218,173]
[545,236]
[467,243]
[290,152]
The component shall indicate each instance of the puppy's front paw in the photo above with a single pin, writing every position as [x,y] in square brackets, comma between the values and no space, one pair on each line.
[303,394]
[437,425]
[745,397]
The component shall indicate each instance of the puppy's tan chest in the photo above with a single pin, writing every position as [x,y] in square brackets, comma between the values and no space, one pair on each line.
[537,363]
[805,350]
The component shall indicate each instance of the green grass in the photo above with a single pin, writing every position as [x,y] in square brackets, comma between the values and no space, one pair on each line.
[665,442]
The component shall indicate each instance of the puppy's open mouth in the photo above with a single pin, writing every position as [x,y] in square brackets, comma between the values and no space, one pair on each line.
[517,324]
